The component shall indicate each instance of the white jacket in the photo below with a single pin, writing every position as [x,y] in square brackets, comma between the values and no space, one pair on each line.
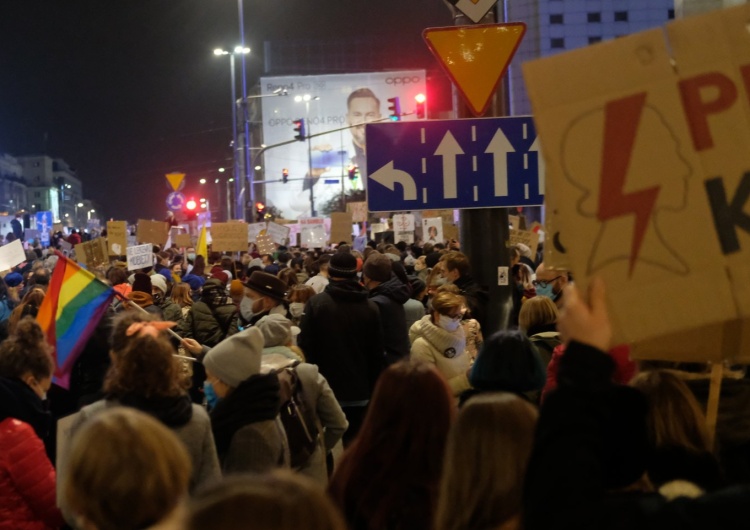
[446,350]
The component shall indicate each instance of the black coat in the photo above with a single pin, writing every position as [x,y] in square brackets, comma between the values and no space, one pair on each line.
[565,485]
[341,333]
[390,297]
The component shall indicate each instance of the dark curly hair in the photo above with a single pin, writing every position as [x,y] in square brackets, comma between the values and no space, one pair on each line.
[26,351]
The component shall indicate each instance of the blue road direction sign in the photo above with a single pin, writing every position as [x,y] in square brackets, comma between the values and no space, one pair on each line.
[175,201]
[444,164]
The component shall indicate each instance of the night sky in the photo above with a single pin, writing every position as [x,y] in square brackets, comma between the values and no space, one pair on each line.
[128,90]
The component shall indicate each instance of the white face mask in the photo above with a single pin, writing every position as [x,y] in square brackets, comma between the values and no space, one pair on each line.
[246,307]
[296,309]
[448,323]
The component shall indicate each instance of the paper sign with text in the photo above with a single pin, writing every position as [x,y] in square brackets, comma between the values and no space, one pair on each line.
[312,233]
[432,230]
[358,211]
[253,229]
[279,233]
[648,177]
[11,255]
[140,257]
[403,222]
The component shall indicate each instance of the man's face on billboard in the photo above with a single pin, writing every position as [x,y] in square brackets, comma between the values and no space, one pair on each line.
[361,111]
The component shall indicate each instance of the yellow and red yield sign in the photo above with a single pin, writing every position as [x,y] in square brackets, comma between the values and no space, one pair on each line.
[475,57]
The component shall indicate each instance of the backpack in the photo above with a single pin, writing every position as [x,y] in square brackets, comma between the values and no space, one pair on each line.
[301,424]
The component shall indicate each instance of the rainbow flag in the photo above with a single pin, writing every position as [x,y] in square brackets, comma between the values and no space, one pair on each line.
[75,302]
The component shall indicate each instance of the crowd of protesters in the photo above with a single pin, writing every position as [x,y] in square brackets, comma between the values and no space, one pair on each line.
[342,389]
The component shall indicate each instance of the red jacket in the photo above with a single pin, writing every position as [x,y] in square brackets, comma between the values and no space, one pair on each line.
[27,480]
[625,368]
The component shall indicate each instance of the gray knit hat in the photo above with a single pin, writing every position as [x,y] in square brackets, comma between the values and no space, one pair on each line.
[276,329]
[236,358]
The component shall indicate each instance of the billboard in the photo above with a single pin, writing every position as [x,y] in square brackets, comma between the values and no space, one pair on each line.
[338,106]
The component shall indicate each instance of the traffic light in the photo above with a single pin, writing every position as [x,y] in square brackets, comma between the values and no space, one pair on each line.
[299,128]
[420,111]
[353,172]
[190,207]
[260,211]
[285,175]
[394,108]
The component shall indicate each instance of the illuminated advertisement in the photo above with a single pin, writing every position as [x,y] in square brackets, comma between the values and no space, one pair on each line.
[335,109]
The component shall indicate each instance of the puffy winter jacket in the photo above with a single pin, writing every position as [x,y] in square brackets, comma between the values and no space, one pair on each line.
[209,327]
[446,350]
[27,480]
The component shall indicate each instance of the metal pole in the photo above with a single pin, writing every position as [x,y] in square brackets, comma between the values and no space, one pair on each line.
[309,173]
[235,141]
[484,232]
[229,201]
[239,208]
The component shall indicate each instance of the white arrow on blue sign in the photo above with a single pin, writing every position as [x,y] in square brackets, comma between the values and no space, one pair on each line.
[445,164]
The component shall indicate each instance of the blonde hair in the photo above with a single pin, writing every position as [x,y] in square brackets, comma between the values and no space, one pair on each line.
[125,471]
[279,500]
[674,416]
[485,463]
[537,311]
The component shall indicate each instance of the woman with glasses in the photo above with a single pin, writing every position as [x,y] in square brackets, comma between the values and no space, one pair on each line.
[439,339]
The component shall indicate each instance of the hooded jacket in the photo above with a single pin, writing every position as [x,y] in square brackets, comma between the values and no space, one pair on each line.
[341,333]
[390,297]
[188,421]
[445,349]
[207,323]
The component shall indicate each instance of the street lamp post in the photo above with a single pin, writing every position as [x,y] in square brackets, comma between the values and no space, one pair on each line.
[307,98]
[238,50]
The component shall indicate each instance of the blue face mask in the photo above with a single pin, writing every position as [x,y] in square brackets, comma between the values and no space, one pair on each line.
[547,291]
[211,398]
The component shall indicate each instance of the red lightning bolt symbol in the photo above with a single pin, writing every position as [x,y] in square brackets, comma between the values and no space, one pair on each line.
[621,121]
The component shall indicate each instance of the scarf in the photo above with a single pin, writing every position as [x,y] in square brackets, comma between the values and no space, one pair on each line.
[255,399]
[172,411]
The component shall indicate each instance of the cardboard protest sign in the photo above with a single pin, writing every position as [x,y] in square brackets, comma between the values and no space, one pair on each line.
[264,243]
[432,230]
[229,237]
[515,222]
[140,257]
[117,237]
[358,211]
[183,240]
[312,232]
[11,255]
[527,237]
[341,227]
[154,232]
[279,233]
[648,178]
[92,253]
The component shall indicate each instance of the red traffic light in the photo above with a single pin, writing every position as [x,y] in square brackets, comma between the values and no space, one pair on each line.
[260,206]
[420,111]
[190,205]
[420,98]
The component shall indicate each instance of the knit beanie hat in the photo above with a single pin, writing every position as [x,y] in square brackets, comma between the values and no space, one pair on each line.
[142,283]
[276,329]
[378,267]
[236,288]
[13,279]
[508,362]
[195,282]
[236,358]
[221,276]
[160,282]
[342,265]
